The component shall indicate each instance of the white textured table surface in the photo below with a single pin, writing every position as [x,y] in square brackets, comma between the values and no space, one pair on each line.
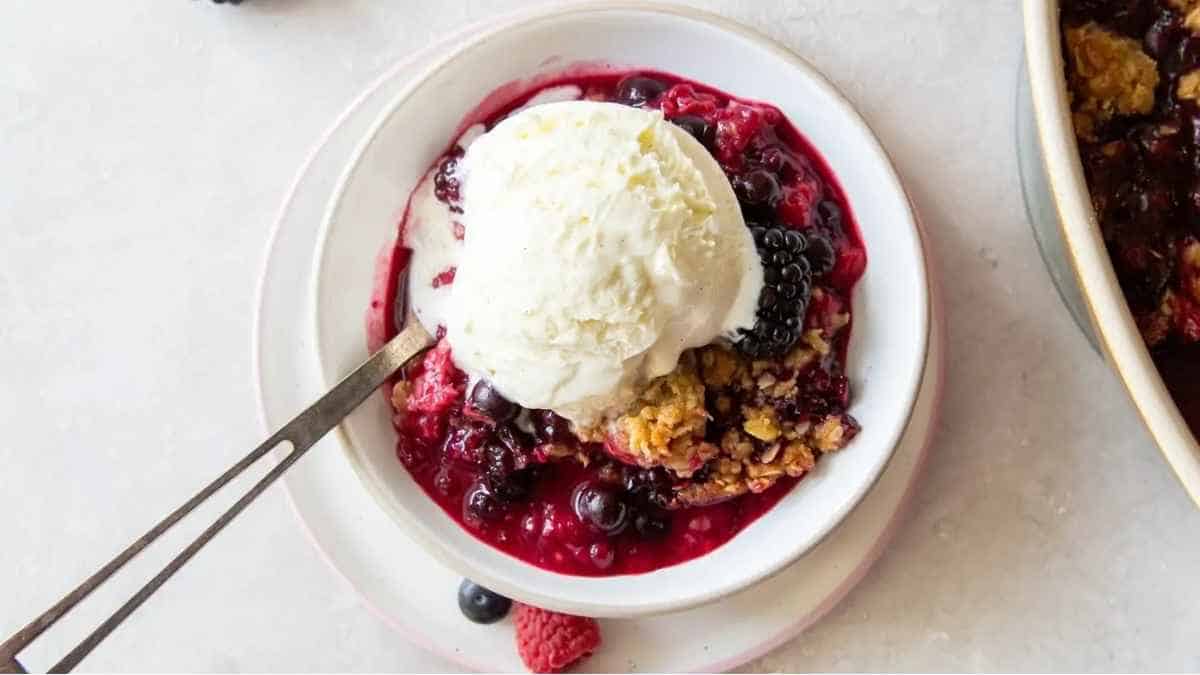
[144,149]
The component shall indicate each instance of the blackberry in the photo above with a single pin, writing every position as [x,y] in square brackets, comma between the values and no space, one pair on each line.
[787,277]
[228,2]
[830,214]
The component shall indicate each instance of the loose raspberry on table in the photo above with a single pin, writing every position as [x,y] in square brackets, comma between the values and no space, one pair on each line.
[549,642]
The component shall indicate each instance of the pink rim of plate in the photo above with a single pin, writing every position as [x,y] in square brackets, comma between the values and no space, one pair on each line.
[417,637]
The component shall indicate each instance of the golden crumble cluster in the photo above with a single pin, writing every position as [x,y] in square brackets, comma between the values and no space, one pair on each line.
[1109,74]
[723,419]
[666,425]
[760,445]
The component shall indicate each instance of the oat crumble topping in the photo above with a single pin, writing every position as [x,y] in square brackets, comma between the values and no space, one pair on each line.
[1110,75]
[762,442]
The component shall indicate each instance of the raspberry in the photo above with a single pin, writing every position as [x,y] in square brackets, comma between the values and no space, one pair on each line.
[427,427]
[683,99]
[737,125]
[800,197]
[439,384]
[851,263]
[549,642]
[445,277]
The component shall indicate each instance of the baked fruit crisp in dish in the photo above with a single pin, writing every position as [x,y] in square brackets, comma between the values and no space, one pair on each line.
[1133,72]
[694,454]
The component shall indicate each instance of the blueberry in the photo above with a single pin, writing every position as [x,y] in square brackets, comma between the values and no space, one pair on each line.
[519,442]
[697,127]
[488,401]
[774,158]
[480,505]
[651,526]
[820,254]
[480,605]
[757,186]
[750,346]
[602,508]
[1160,34]
[830,214]
[653,487]
[515,486]
[1188,53]
[504,480]
[550,428]
[638,90]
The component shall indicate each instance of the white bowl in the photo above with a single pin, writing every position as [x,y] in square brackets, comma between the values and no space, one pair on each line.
[887,350]
[1110,316]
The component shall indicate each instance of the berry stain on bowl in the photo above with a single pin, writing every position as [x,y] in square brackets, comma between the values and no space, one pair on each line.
[705,449]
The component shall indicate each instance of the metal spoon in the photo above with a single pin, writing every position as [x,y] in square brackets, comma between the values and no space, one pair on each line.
[301,433]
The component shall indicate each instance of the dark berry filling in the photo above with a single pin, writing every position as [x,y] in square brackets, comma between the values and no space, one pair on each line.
[522,481]
[1143,171]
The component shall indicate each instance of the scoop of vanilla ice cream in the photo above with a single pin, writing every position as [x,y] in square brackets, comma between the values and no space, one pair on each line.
[601,241]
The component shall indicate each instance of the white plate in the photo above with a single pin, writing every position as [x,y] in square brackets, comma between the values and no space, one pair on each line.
[414,594]
[887,347]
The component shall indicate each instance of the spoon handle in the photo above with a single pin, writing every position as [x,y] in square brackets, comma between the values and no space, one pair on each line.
[301,434]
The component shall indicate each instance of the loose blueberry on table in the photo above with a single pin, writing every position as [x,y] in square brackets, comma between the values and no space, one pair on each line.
[743,422]
[481,605]
[1133,67]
